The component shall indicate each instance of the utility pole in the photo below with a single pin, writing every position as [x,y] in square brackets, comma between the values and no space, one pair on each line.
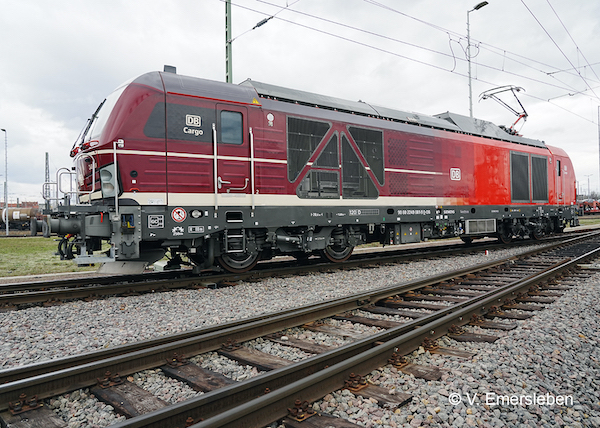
[589,192]
[47,194]
[477,7]
[6,179]
[228,40]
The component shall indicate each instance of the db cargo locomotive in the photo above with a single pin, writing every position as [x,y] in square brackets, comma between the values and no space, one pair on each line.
[231,174]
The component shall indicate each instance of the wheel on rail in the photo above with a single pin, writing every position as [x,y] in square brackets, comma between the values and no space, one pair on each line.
[238,262]
[505,237]
[337,253]
[505,232]
[537,234]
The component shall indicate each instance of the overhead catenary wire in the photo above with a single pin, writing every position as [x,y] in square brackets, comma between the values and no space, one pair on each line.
[559,48]
[406,57]
[575,43]
[264,21]
[483,45]
[330,21]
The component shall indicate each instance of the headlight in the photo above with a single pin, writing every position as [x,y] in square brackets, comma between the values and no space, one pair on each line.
[108,181]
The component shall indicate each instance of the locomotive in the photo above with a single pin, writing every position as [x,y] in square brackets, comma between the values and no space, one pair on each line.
[227,175]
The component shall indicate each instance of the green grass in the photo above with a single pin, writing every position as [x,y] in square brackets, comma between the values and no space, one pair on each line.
[33,256]
[588,221]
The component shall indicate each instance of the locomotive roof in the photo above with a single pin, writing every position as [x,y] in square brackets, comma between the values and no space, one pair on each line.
[247,91]
[177,83]
[447,121]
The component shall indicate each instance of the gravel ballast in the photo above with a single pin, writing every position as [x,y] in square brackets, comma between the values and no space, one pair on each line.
[41,333]
[518,381]
[556,351]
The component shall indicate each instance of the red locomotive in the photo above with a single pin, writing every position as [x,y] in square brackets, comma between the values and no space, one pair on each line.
[232,174]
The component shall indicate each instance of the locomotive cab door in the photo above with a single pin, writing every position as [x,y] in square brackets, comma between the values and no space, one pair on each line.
[560,196]
[232,178]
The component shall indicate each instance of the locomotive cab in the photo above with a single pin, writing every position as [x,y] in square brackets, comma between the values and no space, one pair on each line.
[104,177]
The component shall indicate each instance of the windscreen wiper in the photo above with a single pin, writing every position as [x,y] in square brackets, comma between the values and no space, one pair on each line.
[88,125]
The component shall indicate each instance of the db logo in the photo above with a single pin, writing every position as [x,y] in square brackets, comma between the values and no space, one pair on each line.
[193,120]
[455,174]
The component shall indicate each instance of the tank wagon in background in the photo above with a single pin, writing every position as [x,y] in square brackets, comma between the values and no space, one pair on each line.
[19,218]
[231,174]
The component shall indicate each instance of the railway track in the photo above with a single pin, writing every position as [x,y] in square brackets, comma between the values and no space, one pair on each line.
[51,292]
[444,301]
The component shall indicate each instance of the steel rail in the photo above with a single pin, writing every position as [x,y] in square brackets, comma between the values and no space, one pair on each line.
[58,376]
[102,286]
[267,408]
[54,380]
[54,365]
[400,253]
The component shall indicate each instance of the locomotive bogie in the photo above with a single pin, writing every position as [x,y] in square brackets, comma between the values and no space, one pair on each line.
[235,174]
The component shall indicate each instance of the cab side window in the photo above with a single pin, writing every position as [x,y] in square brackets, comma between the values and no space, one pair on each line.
[231,127]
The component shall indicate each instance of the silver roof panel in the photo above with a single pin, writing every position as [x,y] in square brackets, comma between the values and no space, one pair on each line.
[448,121]
[484,128]
[338,104]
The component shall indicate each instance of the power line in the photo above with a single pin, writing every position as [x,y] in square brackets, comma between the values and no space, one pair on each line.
[354,41]
[484,45]
[329,21]
[581,66]
[573,40]
[558,47]
[503,53]
[264,21]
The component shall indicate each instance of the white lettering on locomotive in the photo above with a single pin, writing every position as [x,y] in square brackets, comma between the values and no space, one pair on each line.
[196,132]
[193,120]
[414,212]
[364,211]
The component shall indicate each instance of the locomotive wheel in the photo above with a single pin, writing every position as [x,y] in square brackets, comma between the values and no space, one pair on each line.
[337,253]
[238,262]
[505,237]
[466,239]
[537,234]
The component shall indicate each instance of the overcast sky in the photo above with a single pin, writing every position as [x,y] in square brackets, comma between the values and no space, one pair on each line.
[59,59]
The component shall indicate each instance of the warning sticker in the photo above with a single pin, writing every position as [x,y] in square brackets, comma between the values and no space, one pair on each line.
[156,221]
[178,214]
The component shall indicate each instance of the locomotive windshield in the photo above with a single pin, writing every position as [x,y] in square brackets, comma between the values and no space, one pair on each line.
[98,120]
